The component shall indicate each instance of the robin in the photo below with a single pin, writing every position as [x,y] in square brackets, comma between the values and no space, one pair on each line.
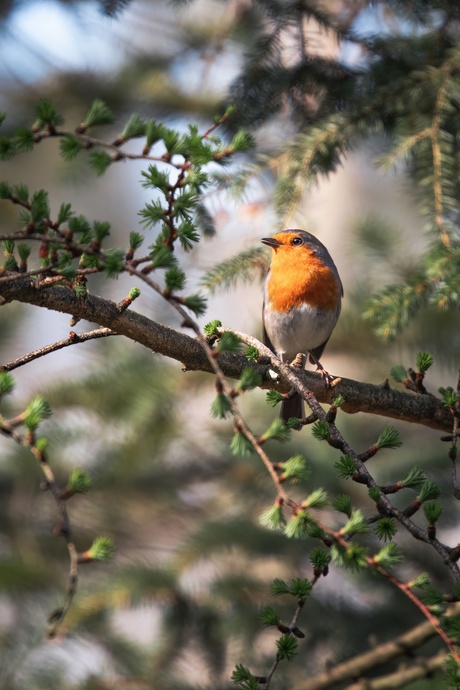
[302,301]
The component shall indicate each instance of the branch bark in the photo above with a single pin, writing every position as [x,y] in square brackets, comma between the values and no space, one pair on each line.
[380,400]
[383,654]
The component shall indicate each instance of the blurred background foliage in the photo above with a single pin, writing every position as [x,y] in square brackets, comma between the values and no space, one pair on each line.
[179,605]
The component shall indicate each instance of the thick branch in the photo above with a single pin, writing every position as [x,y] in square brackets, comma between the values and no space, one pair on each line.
[381,655]
[360,397]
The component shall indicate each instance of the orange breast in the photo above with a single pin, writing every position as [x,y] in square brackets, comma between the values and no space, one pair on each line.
[297,276]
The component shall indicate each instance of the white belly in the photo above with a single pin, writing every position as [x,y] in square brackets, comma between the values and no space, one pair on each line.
[299,330]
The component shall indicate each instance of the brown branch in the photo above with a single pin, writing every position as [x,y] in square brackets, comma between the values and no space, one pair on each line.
[383,654]
[360,397]
[338,538]
[437,162]
[338,441]
[407,590]
[366,397]
[90,142]
[422,668]
[73,339]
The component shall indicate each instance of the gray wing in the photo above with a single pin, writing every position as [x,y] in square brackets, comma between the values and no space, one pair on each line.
[265,339]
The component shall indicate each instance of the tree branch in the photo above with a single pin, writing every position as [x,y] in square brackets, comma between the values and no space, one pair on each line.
[383,654]
[73,339]
[426,410]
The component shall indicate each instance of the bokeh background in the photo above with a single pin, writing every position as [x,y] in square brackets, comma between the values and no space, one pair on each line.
[178,606]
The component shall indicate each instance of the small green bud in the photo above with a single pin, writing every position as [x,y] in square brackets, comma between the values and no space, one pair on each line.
[321,431]
[296,468]
[228,342]
[399,373]
[24,251]
[249,378]
[196,303]
[421,580]
[113,261]
[47,113]
[297,526]
[252,353]
[37,410]
[211,328]
[273,398]
[162,256]
[287,647]
[240,445]
[433,511]
[79,482]
[98,114]
[241,675]
[374,493]
[135,240]
[388,556]
[424,362]
[221,406]
[353,557]
[449,396]
[269,617]
[277,431]
[389,438]
[135,127]
[319,558]
[414,479]
[343,504]
[102,549]
[41,444]
[99,161]
[273,518]
[175,279]
[134,293]
[357,524]
[345,467]
[101,230]
[300,588]
[386,528]
[7,382]
[317,499]
[429,491]
[294,423]
[279,587]
[80,290]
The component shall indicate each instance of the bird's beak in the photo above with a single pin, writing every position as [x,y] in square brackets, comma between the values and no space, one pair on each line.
[271,242]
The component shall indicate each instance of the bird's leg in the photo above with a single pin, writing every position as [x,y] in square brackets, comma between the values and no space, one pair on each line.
[329,380]
[299,361]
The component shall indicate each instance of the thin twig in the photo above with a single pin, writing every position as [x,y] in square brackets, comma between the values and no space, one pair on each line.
[240,423]
[73,339]
[437,162]
[64,529]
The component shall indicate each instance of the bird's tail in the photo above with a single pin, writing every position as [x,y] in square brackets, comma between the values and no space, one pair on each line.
[293,407]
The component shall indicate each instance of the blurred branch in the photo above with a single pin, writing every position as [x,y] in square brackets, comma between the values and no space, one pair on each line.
[63,528]
[359,397]
[423,668]
[383,654]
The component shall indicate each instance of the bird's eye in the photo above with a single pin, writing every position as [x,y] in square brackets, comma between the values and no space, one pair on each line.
[297,241]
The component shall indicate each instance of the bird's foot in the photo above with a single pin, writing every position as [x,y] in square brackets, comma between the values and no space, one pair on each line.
[299,361]
[329,380]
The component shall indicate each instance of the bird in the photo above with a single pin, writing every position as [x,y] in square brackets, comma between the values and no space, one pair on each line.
[302,302]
